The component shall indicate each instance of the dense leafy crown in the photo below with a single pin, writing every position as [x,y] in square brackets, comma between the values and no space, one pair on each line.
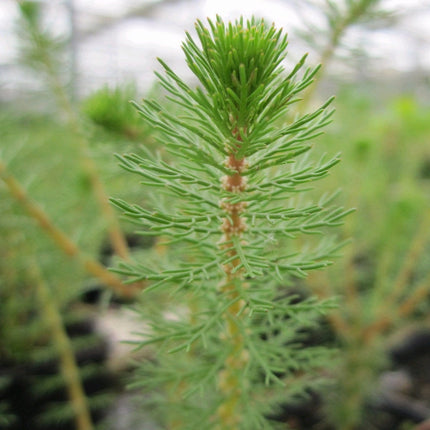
[235,65]
[240,68]
[238,113]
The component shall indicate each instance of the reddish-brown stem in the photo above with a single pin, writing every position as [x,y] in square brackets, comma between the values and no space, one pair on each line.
[230,382]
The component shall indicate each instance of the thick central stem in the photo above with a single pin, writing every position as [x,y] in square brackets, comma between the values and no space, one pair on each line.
[230,379]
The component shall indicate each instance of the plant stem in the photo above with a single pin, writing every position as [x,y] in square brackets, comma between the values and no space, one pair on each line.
[337,30]
[403,310]
[119,244]
[392,306]
[416,249]
[67,362]
[230,381]
[61,239]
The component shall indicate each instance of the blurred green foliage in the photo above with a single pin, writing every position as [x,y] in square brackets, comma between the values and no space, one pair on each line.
[385,174]
[383,279]
[41,152]
[110,108]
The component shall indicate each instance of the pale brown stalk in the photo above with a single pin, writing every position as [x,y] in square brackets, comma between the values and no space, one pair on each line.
[67,362]
[61,239]
[116,236]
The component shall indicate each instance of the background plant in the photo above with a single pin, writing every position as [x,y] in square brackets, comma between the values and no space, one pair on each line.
[392,288]
[338,18]
[384,278]
[61,185]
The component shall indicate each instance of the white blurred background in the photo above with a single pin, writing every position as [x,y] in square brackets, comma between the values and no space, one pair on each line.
[115,41]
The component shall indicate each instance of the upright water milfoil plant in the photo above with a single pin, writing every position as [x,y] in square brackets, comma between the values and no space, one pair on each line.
[230,198]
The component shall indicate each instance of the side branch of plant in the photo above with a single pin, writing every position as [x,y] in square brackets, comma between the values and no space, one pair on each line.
[61,239]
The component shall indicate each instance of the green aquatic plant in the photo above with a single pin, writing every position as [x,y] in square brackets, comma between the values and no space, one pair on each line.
[234,204]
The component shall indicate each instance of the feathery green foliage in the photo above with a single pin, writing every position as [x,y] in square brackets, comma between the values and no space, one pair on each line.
[234,209]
